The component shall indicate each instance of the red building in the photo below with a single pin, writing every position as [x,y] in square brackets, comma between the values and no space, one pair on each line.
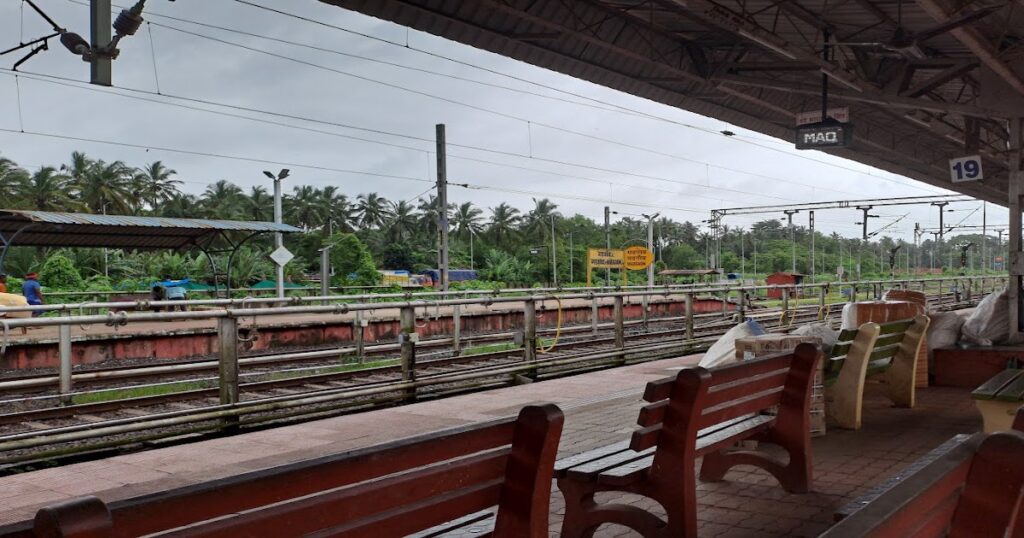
[783,279]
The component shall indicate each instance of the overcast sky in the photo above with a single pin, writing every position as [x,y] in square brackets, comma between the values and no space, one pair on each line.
[636,155]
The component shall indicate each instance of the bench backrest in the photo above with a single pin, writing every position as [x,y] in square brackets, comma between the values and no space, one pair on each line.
[387,490]
[972,490]
[891,339]
[696,399]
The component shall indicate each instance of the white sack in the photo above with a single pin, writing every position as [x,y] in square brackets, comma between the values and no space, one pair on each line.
[944,331]
[990,322]
[723,351]
[823,331]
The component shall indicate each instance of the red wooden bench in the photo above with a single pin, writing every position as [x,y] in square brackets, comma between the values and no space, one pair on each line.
[395,489]
[972,490]
[696,413]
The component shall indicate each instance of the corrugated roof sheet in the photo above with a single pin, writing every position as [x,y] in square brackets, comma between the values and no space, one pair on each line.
[43,228]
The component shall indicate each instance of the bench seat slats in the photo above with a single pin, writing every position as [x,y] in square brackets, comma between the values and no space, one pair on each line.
[994,386]
[477,524]
[750,404]
[579,459]
[350,506]
[590,470]
[894,327]
[647,437]
[731,392]
[729,435]
[626,474]
[1013,391]
[884,352]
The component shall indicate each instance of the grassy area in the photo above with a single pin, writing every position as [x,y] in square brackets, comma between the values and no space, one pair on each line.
[275,376]
[139,392]
[507,346]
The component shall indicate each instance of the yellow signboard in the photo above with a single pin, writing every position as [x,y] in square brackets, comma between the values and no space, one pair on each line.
[637,258]
[602,258]
[599,258]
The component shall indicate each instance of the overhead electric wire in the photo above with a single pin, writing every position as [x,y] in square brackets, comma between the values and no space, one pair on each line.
[71,83]
[619,108]
[487,110]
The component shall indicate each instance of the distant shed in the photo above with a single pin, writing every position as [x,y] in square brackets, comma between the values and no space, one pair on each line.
[783,278]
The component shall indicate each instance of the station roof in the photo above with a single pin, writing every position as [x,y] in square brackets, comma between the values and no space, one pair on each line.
[51,229]
[924,80]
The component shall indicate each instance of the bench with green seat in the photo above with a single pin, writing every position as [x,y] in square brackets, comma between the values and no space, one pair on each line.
[887,352]
[999,398]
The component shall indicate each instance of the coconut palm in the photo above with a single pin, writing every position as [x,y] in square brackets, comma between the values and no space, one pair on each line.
[467,219]
[373,210]
[404,221]
[155,183]
[47,190]
[259,205]
[103,187]
[223,200]
[504,219]
[181,206]
[336,210]
[538,219]
[12,180]
[303,208]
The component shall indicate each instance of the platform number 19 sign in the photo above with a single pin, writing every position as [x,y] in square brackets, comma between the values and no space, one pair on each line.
[965,169]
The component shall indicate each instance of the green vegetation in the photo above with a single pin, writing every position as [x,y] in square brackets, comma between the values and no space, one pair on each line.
[139,392]
[510,247]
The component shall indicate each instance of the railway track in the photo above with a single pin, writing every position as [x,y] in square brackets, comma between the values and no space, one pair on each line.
[61,431]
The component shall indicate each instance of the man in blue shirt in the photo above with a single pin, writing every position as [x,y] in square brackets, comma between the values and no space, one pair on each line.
[33,292]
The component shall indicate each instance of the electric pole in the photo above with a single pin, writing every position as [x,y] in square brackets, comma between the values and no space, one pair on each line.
[792,233]
[607,242]
[442,210]
[942,227]
[554,257]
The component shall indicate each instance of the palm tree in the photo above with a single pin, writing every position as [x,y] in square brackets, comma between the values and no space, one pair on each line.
[259,205]
[156,184]
[100,185]
[372,210]
[539,218]
[404,221]
[467,220]
[12,180]
[181,206]
[504,219]
[223,200]
[47,190]
[336,210]
[304,209]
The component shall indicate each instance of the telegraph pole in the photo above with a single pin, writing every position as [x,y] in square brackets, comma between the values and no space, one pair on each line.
[607,241]
[554,257]
[442,201]
[942,227]
[792,233]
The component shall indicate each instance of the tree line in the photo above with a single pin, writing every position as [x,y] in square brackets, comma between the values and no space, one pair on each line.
[504,243]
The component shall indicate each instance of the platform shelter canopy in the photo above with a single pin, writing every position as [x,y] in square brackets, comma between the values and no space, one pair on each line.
[52,229]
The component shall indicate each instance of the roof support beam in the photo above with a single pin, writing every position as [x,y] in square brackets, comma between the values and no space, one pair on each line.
[977,44]
[939,79]
[885,100]
[733,22]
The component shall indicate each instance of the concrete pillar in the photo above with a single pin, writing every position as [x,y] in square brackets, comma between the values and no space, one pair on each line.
[620,323]
[741,304]
[227,340]
[689,316]
[1016,246]
[529,331]
[408,338]
[594,315]
[359,335]
[456,329]
[853,293]
[65,364]
[822,295]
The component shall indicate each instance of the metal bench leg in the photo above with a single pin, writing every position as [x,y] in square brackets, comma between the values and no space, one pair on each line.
[583,515]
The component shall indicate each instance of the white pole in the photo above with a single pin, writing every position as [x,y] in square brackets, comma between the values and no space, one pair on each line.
[554,257]
[471,266]
[278,237]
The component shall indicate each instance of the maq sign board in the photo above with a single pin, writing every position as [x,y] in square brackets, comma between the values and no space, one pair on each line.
[824,135]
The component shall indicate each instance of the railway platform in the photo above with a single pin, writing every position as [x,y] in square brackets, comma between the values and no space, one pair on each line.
[600,408]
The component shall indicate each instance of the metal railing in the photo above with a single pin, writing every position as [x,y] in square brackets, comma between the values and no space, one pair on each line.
[228,316]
